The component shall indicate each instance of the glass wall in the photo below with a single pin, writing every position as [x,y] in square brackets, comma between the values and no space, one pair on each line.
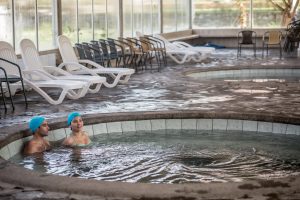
[113,19]
[84,20]
[95,19]
[141,15]
[127,17]
[182,14]
[69,19]
[221,13]
[265,14]
[25,21]
[100,22]
[47,24]
[6,21]
[169,15]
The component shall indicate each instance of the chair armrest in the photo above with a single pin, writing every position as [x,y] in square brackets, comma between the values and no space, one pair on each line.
[55,70]
[93,64]
[14,64]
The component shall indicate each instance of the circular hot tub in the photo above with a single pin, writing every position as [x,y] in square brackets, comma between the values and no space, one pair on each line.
[160,149]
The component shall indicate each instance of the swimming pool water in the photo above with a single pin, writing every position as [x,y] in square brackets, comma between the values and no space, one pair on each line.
[174,157]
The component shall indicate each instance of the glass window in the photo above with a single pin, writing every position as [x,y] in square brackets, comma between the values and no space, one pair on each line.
[24,21]
[127,18]
[99,19]
[6,21]
[265,14]
[221,13]
[137,16]
[182,13]
[47,28]
[113,19]
[147,16]
[85,20]
[156,16]
[169,15]
[69,17]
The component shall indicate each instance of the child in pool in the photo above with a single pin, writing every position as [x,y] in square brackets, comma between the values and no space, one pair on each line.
[78,137]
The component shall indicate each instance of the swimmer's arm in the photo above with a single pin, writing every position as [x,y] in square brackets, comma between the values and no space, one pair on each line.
[31,148]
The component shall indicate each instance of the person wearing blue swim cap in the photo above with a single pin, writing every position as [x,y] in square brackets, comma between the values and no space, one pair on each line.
[39,127]
[78,137]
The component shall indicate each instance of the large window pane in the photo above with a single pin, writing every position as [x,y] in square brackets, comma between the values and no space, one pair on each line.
[24,21]
[147,16]
[99,19]
[169,15]
[69,24]
[221,13]
[137,16]
[155,16]
[113,18]
[265,14]
[85,20]
[127,18]
[182,15]
[47,26]
[6,21]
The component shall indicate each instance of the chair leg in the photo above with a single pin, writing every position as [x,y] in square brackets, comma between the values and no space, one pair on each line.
[3,97]
[10,96]
[280,50]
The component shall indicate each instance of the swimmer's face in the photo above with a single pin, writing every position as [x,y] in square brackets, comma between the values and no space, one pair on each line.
[43,129]
[77,124]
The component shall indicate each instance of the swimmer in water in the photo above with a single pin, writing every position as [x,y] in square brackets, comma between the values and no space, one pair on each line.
[39,127]
[78,137]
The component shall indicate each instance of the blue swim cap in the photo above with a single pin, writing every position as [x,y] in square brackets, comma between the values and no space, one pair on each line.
[71,116]
[35,123]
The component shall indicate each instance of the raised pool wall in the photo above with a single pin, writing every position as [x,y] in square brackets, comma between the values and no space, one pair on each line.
[12,143]
[98,124]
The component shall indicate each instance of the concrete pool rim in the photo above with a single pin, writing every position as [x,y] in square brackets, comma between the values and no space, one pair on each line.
[11,173]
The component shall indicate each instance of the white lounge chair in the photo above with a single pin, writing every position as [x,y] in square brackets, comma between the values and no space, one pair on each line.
[74,66]
[36,80]
[203,52]
[176,53]
[32,61]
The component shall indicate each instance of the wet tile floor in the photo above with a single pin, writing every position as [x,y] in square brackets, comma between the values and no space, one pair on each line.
[171,89]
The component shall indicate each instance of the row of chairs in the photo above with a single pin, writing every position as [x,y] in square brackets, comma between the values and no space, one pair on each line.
[136,53]
[71,78]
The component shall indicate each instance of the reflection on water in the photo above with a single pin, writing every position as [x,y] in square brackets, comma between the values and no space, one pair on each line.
[174,157]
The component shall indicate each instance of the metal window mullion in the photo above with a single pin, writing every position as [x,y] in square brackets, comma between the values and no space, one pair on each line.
[151,17]
[121,18]
[142,17]
[55,27]
[251,14]
[132,18]
[77,20]
[106,18]
[93,26]
[37,25]
[190,14]
[176,17]
[161,16]
[13,23]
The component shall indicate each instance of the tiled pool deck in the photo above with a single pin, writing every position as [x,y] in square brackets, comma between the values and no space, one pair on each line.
[172,93]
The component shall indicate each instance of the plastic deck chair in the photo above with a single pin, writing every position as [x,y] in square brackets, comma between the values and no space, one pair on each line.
[180,54]
[4,79]
[32,61]
[74,66]
[246,37]
[271,38]
[37,80]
